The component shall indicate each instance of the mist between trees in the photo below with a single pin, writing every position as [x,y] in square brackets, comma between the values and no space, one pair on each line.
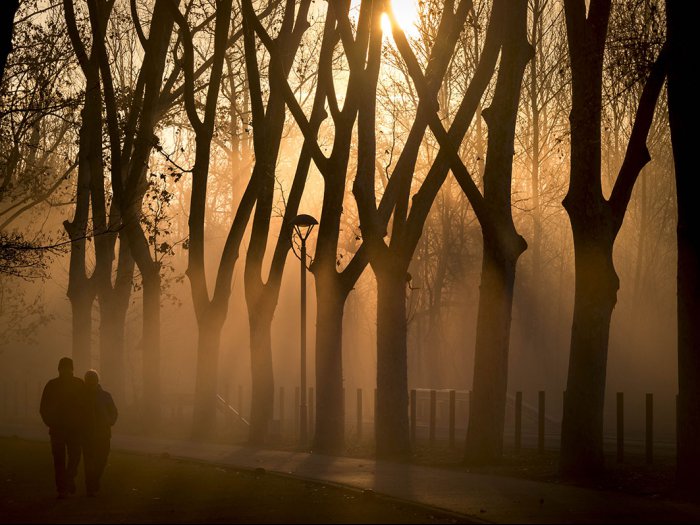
[155,152]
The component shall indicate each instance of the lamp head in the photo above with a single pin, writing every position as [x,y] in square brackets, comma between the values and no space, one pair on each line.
[303,224]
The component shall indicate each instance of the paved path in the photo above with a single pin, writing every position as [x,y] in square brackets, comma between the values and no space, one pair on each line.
[483,497]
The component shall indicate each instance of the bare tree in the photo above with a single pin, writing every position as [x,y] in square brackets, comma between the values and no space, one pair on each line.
[268,124]
[7,17]
[210,313]
[681,100]
[595,223]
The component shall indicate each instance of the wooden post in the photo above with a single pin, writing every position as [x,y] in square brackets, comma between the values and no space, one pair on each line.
[358,411]
[518,421]
[453,409]
[413,403]
[433,410]
[296,411]
[676,427]
[620,427]
[540,422]
[312,419]
[15,391]
[282,411]
[650,428]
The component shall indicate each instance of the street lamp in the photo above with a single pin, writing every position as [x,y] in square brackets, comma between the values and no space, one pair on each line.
[303,224]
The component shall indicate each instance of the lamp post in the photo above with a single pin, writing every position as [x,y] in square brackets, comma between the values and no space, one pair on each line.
[303,224]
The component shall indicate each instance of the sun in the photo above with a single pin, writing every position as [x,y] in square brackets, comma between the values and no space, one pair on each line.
[406,12]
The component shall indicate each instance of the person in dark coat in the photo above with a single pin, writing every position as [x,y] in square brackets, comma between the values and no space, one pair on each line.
[101,416]
[63,410]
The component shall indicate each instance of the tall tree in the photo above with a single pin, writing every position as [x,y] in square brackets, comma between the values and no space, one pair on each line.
[595,222]
[332,285]
[7,17]
[502,248]
[210,313]
[268,125]
[390,261]
[81,289]
[681,101]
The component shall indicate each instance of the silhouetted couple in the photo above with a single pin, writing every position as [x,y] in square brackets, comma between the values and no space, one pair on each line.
[80,416]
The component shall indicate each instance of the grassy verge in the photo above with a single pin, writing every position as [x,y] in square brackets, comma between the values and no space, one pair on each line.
[149,489]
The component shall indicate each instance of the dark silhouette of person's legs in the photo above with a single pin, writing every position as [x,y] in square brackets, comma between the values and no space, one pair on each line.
[90,471]
[102,453]
[74,448]
[96,452]
[58,450]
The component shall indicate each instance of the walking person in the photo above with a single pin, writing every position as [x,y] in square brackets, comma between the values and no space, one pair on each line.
[62,409]
[101,416]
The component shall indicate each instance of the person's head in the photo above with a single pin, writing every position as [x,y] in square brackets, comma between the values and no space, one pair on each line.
[91,378]
[65,366]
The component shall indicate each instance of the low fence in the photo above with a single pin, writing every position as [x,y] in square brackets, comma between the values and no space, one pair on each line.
[437,417]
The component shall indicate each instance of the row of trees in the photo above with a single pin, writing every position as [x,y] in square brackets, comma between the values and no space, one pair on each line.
[236,84]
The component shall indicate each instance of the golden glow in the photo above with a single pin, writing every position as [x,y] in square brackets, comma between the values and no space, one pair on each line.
[406,13]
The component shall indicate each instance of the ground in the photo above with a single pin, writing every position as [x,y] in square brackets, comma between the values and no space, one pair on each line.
[141,488]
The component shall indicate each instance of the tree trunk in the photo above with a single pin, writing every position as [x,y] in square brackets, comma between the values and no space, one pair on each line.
[204,415]
[330,406]
[151,348]
[7,17]
[681,101]
[502,246]
[81,290]
[112,320]
[596,280]
[391,417]
[488,406]
[263,386]
[114,304]
[81,298]
[595,298]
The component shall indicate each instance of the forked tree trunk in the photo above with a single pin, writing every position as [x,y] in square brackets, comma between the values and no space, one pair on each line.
[596,281]
[502,246]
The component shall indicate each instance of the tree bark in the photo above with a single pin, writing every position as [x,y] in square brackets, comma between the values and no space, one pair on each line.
[391,417]
[488,403]
[204,415]
[263,386]
[330,406]
[7,17]
[81,300]
[595,297]
[151,348]
[595,223]
[502,246]
[115,300]
[681,100]
[81,290]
